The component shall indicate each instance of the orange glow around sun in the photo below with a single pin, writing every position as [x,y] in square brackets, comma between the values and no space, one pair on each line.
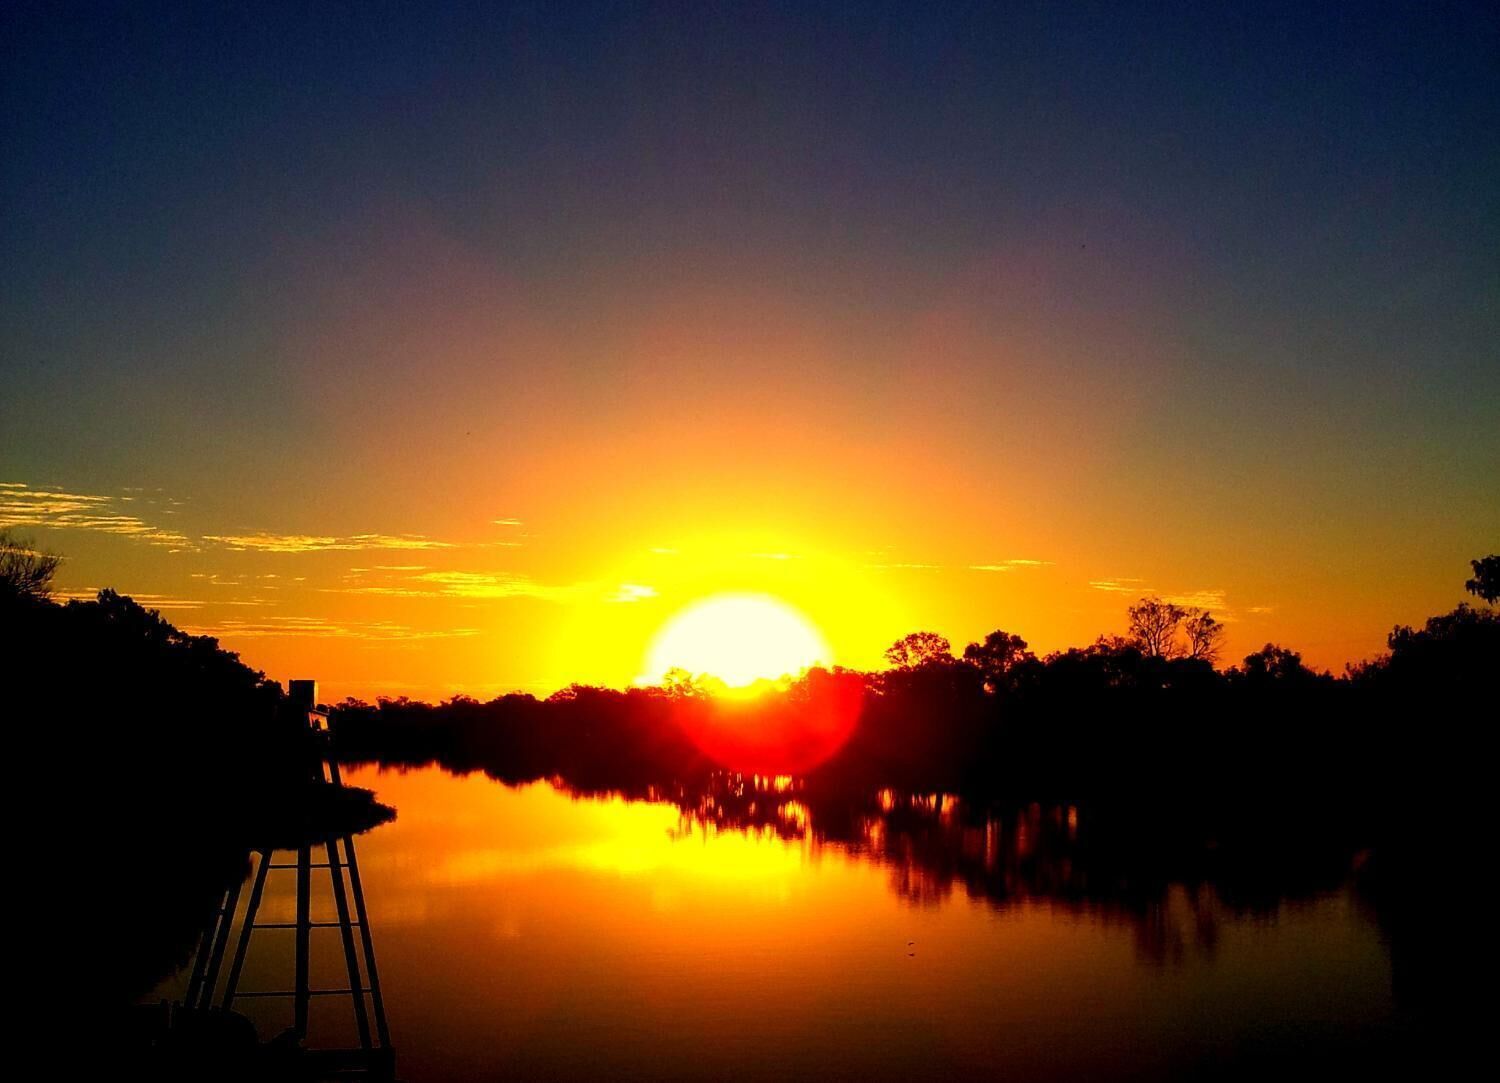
[739,639]
[746,644]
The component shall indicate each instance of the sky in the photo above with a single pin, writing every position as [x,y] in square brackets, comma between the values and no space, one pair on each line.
[427,349]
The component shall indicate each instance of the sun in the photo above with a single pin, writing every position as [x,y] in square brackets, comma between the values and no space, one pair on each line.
[738,638]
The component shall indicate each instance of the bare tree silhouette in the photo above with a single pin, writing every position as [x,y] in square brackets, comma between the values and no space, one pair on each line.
[1153,626]
[1205,635]
[25,572]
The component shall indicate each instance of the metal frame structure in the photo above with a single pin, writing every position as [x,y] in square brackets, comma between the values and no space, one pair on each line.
[374,1057]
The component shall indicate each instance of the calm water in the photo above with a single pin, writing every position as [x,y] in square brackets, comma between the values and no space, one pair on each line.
[523,933]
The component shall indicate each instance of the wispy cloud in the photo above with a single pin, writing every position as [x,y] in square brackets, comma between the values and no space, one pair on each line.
[1119,585]
[150,601]
[53,507]
[481,586]
[376,588]
[1200,599]
[319,543]
[1010,565]
[319,628]
[21,505]
[489,585]
[1214,599]
[631,592]
[507,522]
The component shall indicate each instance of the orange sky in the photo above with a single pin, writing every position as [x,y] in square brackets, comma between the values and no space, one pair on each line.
[508,593]
[461,493]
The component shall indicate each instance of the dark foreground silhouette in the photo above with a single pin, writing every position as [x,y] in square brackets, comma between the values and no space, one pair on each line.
[1099,777]
[152,764]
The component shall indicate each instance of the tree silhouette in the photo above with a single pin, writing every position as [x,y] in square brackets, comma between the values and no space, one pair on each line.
[1486,581]
[918,649]
[1205,635]
[1272,663]
[681,684]
[25,572]
[999,653]
[1153,626]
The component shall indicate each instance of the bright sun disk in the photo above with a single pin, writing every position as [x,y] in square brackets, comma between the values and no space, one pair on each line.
[738,638]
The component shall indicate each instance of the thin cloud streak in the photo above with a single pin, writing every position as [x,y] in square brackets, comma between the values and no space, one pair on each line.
[491,585]
[57,509]
[1214,599]
[318,628]
[149,601]
[1121,585]
[1200,599]
[629,593]
[313,543]
[922,566]
[484,586]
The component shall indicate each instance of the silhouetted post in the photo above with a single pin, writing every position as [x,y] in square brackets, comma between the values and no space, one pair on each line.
[200,961]
[363,921]
[243,946]
[216,955]
[304,937]
[351,962]
[304,696]
[369,944]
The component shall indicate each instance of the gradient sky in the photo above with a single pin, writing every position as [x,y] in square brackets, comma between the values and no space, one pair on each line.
[434,352]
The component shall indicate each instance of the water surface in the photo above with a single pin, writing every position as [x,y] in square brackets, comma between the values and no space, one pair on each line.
[522,932]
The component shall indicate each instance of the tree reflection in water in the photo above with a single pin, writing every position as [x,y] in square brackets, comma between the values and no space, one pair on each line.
[1169,873]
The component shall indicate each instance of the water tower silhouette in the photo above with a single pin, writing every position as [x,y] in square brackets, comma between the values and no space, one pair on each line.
[374,1059]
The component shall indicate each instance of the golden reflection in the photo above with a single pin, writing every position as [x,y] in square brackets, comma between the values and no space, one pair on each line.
[485,832]
[796,814]
[513,916]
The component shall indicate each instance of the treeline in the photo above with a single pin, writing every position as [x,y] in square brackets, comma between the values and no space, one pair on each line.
[1142,716]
